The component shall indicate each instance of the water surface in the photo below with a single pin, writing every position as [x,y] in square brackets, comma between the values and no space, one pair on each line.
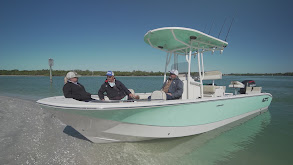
[264,139]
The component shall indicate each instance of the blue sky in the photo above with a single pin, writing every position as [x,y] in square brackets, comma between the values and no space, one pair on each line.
[108,35]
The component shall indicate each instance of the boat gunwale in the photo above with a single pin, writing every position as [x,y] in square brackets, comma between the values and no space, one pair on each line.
[159,104]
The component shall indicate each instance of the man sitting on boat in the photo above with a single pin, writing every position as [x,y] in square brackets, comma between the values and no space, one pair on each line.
[173,87]
[73,89]
[114,89]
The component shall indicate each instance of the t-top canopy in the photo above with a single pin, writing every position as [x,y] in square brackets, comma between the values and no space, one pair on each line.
[179,40]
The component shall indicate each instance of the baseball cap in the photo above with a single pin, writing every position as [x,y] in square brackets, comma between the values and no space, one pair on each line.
[110,73]
[70,75]
[174,71]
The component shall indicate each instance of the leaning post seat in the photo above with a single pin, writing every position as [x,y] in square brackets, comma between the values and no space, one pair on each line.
[208,90]
[213,91]
[210,75]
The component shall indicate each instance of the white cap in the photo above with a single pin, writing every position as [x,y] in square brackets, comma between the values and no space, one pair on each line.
[70,75]
[174,71]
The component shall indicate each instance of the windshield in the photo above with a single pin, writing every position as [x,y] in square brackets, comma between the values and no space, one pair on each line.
[182,68]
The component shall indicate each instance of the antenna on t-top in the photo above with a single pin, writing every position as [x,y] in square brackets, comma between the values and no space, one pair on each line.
[51,63]
[205,28]
[211,27]
[229,29]
[222,27]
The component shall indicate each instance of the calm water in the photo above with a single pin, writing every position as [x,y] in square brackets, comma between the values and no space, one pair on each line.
[265,139]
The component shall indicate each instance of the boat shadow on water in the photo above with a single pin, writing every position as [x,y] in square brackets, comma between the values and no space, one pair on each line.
[72,132]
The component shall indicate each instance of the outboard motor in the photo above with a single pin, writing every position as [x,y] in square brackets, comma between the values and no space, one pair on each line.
[247,83]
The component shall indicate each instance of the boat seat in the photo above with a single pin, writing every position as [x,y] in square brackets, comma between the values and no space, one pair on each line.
[158,95]
[131,91]
[209,75]
[213,91]
[106,98]
[253,90]
[182,76]
[209,90]
[236,84]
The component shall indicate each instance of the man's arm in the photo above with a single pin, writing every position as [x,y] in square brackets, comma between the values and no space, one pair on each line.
[124,88]
[164,85]
[67,91]
[179,90]
[101,92]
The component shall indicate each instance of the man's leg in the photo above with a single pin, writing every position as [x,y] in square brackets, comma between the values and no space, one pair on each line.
[169,97]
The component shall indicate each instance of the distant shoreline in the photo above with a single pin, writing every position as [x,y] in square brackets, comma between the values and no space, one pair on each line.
[64,76]
[133,73]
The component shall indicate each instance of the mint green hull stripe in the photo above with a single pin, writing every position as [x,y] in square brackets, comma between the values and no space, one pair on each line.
[198,113]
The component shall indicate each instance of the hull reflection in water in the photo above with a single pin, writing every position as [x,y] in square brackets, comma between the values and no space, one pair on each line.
[208,148]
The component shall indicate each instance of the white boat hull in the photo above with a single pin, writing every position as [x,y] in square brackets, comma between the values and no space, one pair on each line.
[164,121]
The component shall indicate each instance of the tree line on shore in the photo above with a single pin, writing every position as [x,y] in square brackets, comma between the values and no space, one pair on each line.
[46,72]
[260,74]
